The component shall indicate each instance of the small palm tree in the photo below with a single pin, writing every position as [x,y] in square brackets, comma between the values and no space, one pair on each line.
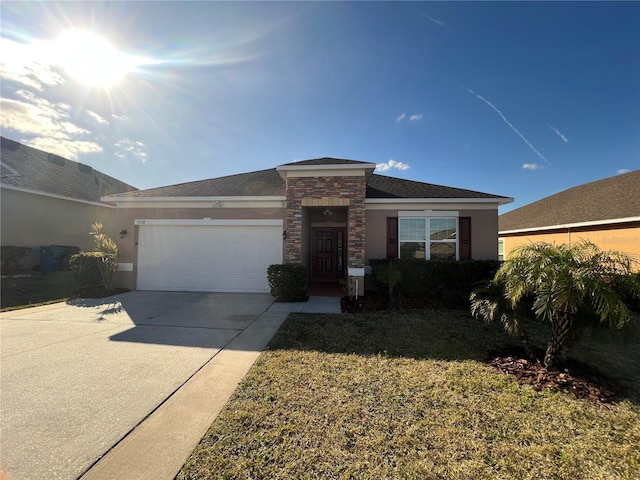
[108,262]
[489,304]
[565,282]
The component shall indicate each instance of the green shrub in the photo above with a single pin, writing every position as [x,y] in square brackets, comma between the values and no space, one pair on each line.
[86,266]
[13,259]
[288,282]
[447,282]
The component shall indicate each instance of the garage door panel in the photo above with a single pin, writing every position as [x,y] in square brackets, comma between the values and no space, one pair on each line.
[207,258]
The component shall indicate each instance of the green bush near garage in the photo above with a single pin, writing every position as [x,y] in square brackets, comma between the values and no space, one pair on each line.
[86,266]
[288,282]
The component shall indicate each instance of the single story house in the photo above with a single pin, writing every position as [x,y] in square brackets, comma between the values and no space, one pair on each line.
[329,214]
[605,212]
[50,200]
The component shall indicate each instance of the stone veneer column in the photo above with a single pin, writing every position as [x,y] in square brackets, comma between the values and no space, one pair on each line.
[293,221]
[355,223]
[321,191]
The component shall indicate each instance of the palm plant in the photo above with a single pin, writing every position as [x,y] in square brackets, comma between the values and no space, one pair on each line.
[489,304]
[565,282]
[108,261]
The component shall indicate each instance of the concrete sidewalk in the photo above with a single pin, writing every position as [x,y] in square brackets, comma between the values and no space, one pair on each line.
[159,446]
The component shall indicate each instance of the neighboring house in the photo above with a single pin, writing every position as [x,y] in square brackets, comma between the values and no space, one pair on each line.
[605,212]
[329,214]
[49,200]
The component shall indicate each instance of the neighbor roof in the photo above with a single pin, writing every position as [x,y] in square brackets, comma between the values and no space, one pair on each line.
[608,199]
[32,169]
[269,183]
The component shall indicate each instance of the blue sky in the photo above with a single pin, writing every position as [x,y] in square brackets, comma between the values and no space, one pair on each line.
[512,98]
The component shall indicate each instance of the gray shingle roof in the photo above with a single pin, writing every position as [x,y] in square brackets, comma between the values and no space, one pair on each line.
[32,169]
[269,183]
[607,199]
[260,183]
[381,186]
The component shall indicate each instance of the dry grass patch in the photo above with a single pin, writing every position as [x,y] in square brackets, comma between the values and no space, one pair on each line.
[406,396]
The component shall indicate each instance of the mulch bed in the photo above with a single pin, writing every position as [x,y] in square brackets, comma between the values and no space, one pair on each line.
[99,292]
[532,372]
[371,302]
[364,304]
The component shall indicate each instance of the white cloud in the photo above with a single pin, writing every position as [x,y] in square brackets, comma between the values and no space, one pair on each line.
[97,118]
[412,118]
[623,170]
[531,166]
[66,148]
[41,119]
[510,125]
[564,139]
[127,148]
[381,167]
[27,64]
[433,20]
[47,124]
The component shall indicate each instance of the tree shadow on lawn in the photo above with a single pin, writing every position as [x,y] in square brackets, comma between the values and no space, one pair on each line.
[453,335]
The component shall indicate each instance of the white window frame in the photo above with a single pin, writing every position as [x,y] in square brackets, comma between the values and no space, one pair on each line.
[428,215]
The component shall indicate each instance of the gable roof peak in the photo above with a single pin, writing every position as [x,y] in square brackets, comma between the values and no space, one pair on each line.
[326,161]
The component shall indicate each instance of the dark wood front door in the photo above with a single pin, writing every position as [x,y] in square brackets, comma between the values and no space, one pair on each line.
[327,253]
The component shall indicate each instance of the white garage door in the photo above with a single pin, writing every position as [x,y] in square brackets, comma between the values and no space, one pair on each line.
[207,256]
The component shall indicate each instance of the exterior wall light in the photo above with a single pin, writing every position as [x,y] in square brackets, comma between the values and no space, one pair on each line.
[123,233]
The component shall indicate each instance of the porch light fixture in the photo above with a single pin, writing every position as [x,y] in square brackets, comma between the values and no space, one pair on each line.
[123,233]
[284,234]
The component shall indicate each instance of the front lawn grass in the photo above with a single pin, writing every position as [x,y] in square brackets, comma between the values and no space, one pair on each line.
[409,396]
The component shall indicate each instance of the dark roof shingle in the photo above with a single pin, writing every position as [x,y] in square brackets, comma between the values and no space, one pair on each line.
[381,186]
[258,184]
[269,183]
[33,169]
[607,199]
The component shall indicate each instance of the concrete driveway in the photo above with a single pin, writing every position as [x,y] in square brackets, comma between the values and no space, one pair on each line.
[76,378]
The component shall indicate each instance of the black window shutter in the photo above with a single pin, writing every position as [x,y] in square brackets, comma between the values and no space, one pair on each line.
[464,227]
[392,237]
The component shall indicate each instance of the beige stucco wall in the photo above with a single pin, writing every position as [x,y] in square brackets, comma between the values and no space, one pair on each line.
[125,219]
[484,228]
[622,237]
[28,219]
[484,224]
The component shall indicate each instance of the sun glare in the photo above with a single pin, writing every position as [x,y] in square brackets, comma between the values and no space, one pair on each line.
[91,59]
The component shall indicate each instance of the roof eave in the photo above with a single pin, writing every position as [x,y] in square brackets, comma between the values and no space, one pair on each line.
[126,199]
[499,200]
[592,223]
[107,202]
